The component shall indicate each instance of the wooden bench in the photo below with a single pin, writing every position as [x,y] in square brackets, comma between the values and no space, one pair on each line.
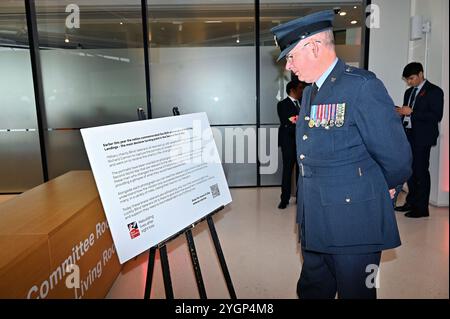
[48,228]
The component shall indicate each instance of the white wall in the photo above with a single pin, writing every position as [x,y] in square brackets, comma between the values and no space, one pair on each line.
[390,50]
[443,193]
[436,11]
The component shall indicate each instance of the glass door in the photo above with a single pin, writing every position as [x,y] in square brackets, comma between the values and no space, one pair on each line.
[20,154]
[202,59]
[93,72]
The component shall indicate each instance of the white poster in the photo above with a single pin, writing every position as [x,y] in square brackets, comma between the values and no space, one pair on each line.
[155,178]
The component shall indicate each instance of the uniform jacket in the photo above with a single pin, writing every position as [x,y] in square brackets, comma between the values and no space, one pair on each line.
[346,172]
[427,113]
[286,133]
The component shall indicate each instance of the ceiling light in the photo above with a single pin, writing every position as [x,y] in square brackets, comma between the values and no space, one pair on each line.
[66,40]
[237,40]
[354,22]
[343,13]
[355,7]
[120,22]
[213,21]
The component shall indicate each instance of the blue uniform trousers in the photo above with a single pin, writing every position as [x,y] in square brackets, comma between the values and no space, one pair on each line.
[324,275]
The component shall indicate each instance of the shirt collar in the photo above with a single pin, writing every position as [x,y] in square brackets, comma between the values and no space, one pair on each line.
[420,86]
[292,99]
[324,76]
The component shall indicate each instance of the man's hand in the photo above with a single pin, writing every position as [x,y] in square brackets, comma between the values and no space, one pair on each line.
[392,193]
[404,110]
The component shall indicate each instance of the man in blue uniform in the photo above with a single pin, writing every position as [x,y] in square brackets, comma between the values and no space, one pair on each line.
[351,150]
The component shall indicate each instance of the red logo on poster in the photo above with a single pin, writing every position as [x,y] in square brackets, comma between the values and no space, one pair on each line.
[133,229]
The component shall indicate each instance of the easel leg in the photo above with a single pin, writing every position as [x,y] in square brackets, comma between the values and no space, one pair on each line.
[219,251]
[196,265]
[166,272]
[150,266]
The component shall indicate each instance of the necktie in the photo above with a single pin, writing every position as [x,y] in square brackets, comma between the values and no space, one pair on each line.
[297,106]
[313,94]
[314,90]
[412,98]
[407,119]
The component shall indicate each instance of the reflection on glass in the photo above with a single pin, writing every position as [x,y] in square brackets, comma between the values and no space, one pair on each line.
[274,153]
[20,159]
[65,149]
[203,59]
[93,69]
[237,150]
[92,61]
[348,39]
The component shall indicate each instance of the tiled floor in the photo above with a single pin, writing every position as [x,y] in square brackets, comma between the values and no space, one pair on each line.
[260,246]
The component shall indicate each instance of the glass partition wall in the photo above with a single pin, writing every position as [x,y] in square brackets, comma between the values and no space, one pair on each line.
[202,59]
[20,154]
[93,72]
[97,68]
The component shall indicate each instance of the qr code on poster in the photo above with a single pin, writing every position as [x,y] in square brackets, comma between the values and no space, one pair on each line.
[214,190]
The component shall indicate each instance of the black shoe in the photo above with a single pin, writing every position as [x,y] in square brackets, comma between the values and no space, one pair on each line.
[282,205]
[413,214]
[405,208]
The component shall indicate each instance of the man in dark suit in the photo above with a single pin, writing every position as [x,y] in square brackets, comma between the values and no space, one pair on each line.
[422,111]
[352,150]
[288,110]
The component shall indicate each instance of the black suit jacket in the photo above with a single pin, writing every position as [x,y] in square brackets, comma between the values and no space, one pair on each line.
[427,113]
[286,134]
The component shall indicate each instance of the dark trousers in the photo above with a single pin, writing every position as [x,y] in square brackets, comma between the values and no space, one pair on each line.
[288,153]
[419,182]
[350,276]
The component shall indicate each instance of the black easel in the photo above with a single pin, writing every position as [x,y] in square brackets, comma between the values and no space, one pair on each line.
[198,275]
[193,252]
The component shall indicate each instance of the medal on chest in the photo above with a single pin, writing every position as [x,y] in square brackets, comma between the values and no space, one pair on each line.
[326,115]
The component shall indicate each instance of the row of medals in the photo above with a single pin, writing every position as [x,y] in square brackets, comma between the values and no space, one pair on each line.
[326,121]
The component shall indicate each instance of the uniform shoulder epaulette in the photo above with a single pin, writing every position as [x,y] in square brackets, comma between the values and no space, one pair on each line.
[350,70]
